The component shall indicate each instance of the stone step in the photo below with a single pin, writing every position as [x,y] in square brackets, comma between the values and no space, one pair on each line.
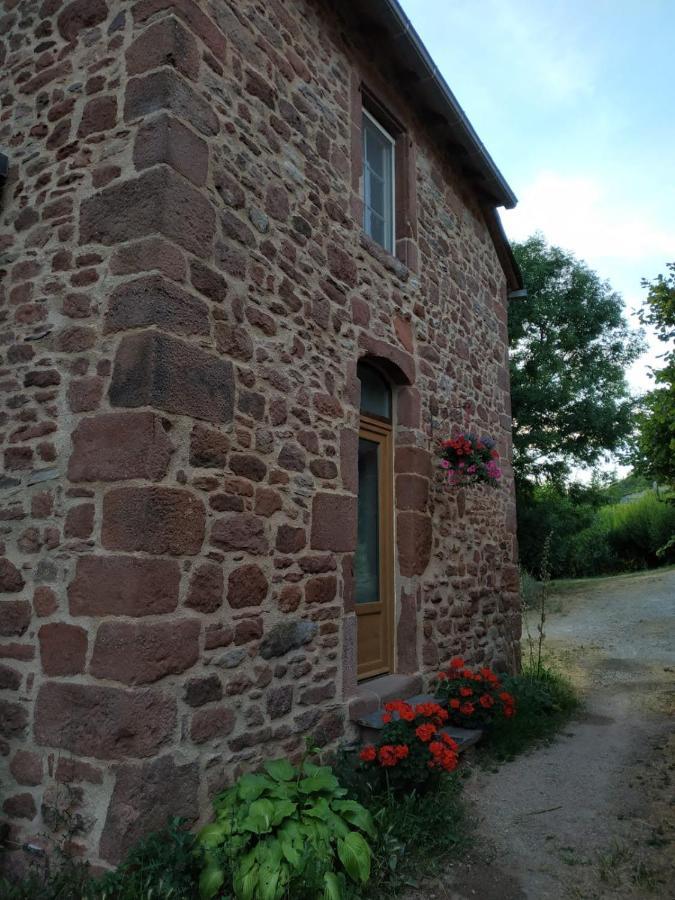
[370,725]
[373,694]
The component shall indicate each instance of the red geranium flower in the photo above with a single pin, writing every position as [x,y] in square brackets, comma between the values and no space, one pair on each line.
[425,732]
[467,709]
[368,753]
[457,663]
[465,692]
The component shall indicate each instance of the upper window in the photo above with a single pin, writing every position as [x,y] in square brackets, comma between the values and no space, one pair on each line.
[378,182]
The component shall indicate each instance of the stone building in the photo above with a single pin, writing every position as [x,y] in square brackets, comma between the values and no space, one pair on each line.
[252,271]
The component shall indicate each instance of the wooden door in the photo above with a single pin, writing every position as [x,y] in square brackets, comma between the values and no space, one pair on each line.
[374,559]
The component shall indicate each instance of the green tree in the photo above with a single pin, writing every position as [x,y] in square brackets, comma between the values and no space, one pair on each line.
[570,345]
[655,445]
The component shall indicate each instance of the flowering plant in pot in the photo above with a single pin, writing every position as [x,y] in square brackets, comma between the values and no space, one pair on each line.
[473,698]
[467,459]
[412,750]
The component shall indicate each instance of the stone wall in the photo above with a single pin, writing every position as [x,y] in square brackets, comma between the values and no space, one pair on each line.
[186,292]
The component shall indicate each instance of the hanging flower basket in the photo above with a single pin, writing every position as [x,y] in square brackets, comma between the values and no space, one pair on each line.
[467,459]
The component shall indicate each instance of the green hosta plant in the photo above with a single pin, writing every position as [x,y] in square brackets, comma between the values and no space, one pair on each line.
[287,832]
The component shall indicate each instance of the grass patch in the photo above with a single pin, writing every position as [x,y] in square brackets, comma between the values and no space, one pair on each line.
[415,834]
[545,701]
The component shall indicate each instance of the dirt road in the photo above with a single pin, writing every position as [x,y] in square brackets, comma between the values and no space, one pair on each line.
[593,814]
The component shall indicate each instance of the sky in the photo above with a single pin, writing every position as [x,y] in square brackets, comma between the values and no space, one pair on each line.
[575,102]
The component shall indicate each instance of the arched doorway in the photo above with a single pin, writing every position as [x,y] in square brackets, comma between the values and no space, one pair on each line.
[374,559]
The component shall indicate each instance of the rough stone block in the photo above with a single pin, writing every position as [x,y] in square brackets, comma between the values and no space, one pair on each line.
[166,90]
[152,369]
[154,520]
[160,201]
[123,586]
[166,43]
[166,140]
[333,522]
[143,800]
[153,300]
[119,446]
[205,592]
[136,653]
[103,722]
[246,586]
[63,648]
[240,532]
[414,536]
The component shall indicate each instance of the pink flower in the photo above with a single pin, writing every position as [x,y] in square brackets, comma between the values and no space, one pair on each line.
[445,464]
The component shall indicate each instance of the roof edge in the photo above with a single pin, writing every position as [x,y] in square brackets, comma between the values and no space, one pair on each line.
[431,84]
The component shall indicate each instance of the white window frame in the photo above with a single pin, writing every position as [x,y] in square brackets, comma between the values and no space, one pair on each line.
[383,131]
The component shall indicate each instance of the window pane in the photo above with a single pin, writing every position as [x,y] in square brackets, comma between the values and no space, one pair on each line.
[378,159]
[367,558]
[375,392]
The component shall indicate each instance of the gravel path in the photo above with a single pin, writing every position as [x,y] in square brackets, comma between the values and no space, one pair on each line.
[593,814]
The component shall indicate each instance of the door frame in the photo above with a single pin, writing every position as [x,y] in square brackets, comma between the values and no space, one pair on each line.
[380,431]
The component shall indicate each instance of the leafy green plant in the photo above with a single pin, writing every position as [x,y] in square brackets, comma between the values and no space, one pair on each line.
[286,832]
[545,701]
[163,866]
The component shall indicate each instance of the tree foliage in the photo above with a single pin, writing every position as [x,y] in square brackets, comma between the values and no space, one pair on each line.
[570,346]
[655,445]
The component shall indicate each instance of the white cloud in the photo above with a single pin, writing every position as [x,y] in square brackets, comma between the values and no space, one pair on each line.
[578,213]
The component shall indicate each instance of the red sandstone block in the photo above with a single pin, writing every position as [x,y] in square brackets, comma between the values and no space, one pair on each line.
[13,719]
[84,394]
[136,653]
[63,648]
[150,253]
[165,90]
[166,43]
[11,580]
[240,532]
[166,140]
[208,448]
[152,369]
[80,521]
[123,586]
[152,300]
[412,492]
[211,723]
[20,806]
[193,16]
[70,770]
[99,114]
[205,592]
[15,617]
[26,767]
[80,15]
[143,799]
[159,200]
[154,520]
[10,679]
[118,446]
[333,522]
[413,460]
[103,722]
[414,537]
[321,590]
[44,601]
[290,540]
[247,586]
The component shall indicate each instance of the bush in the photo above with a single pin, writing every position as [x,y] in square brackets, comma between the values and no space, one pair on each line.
[545,701]
[286,833]
[473,699]
[411,750]
[165,864]
[637,530]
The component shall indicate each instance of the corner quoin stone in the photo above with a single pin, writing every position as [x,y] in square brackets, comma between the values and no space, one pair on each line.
[118,446]
[103,722]
[123,586]
[153,519]
[158,201]
[152,369]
